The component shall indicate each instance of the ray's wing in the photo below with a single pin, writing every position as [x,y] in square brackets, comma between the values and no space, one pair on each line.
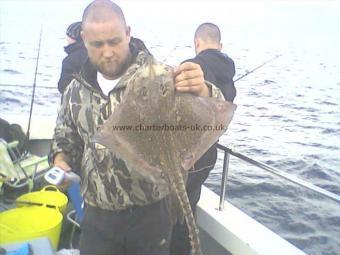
[205,120]
[123,135]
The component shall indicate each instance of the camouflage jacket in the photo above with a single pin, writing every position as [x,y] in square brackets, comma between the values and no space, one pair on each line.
[106,181]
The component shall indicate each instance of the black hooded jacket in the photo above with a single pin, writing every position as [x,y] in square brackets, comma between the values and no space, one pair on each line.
[76,56]
[218,69]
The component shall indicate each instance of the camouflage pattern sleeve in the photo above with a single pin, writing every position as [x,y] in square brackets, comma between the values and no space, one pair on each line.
[215,92]
[66,137]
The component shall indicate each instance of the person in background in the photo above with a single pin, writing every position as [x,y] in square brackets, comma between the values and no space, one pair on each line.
[76,56]
[218,69]
[125,212]
[13,132]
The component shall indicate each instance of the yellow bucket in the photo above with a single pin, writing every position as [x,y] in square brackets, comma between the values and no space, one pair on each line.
[26,223]
[49,196]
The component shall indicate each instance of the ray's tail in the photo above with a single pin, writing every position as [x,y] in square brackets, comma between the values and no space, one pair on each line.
[188,215]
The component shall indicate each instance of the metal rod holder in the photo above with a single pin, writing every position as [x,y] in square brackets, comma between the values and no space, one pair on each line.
[224,180]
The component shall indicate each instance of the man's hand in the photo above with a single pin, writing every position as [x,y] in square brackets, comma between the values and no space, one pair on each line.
[60,160]
[189,77]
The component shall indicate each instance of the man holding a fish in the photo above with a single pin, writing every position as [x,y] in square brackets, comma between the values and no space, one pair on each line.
[125,210]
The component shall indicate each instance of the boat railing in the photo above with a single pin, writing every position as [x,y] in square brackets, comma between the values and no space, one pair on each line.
[228,151]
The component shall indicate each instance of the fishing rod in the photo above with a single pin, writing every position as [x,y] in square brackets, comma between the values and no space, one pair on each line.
[242,76]
[253,70]
[34,86]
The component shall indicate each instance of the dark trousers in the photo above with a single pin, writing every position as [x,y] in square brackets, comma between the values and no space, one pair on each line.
[144,230]
[180,243]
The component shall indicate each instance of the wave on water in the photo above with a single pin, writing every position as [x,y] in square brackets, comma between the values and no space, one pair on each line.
[10,71]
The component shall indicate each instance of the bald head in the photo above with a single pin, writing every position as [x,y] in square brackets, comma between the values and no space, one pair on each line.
[102,11]
[207,36]
[106,37]
[208,32]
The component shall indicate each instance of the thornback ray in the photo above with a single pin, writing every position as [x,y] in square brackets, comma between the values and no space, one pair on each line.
[161,132]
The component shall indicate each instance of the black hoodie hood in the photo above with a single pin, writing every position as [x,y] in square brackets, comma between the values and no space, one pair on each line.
[73,47]
[219,69]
